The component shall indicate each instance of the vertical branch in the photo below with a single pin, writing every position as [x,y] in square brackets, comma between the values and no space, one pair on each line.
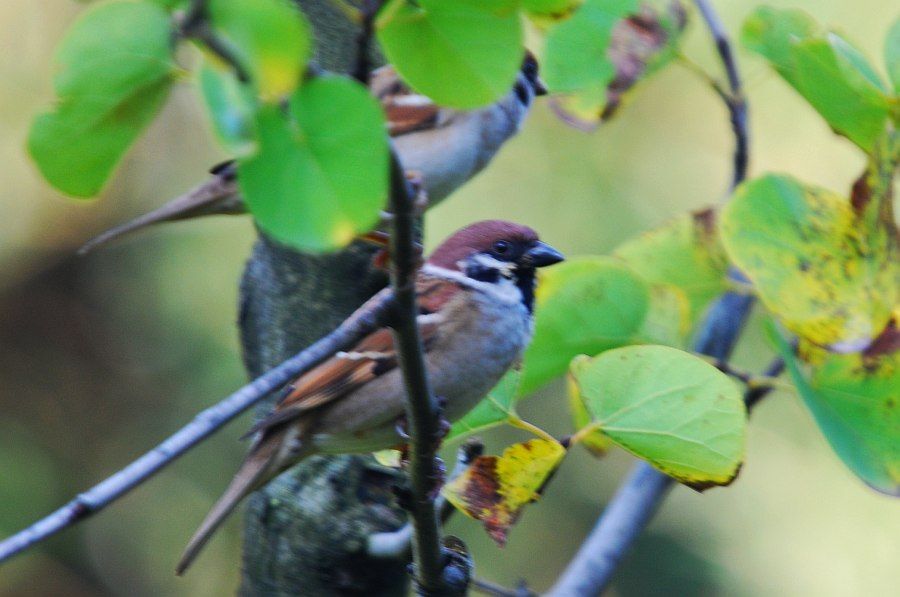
[363,67]
[638,498]
[734,99]
[422,412]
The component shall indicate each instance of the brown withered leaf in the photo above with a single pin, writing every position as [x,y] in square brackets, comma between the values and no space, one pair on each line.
[887,343]
[494,489]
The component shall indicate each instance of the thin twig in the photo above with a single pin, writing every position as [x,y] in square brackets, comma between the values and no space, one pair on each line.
[754,394]
[194,15]
[638,498]
[759,383]
[195,24]
[396,545]
[361,323]
[422,411]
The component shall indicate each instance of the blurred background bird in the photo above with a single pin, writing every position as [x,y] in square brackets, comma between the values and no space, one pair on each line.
[442,147]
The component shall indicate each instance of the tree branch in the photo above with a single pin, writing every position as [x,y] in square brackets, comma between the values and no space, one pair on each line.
[633,505]
[422,411]
[754,394]
[366,319]
[737,105]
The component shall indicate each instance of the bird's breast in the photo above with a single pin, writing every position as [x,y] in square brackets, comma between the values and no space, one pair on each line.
[485,337]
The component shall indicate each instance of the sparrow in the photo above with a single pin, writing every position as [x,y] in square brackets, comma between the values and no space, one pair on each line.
[442,147]
[475,295]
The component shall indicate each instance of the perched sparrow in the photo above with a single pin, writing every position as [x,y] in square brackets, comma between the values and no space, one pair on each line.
[442,146]
[475,296]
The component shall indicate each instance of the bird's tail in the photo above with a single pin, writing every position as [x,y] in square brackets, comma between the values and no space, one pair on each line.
[261,465]
[219,195]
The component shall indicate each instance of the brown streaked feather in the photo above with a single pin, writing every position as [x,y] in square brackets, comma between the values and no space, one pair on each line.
[433,294]
[346,372]
[405,110]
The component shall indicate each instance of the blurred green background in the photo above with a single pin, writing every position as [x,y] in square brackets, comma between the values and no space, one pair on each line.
[103,356]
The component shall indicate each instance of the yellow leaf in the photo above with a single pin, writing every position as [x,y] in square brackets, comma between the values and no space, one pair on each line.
[494,489]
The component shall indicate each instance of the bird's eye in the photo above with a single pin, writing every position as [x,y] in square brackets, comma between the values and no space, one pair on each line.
[502,247]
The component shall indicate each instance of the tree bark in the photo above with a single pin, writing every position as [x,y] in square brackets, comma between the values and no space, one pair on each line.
[305,532]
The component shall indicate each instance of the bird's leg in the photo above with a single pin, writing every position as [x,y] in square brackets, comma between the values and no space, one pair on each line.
[442,429]
[443,425]
[401,427]
[439,469]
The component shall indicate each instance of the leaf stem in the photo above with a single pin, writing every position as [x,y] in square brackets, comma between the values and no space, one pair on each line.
[515,421]
[584,432]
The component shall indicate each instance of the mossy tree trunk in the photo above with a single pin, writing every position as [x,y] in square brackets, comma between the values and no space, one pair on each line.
[305,533]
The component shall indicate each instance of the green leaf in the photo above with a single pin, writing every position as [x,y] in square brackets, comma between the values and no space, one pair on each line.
[892,55]
[772,32]
[668,317]
[678,412]
[685,253]
[321,173]
[584,305]
[830,276]
[550,7]
[831,74]
[461,54]
[495,489]
[498,407]
[271,40]
[593,441]
[844,96]
[856,403]
[170,4]
[627,43]
[114,73]
[576,56]
[232,108]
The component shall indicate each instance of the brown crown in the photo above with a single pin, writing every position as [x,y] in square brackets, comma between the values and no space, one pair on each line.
[476,238]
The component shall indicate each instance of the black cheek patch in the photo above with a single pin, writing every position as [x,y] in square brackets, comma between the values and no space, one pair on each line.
[522,93]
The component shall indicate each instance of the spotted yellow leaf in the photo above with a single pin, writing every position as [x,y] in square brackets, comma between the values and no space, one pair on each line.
[494,489]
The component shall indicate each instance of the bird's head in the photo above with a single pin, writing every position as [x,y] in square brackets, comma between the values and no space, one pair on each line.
[528,83]
[495,250]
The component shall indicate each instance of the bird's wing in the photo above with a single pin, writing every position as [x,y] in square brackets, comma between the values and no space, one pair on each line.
[346,372]
[406,111]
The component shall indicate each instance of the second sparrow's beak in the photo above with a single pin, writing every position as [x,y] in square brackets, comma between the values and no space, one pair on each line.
[541,254]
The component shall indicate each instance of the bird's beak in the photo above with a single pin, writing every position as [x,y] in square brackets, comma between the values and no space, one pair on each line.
[539,87]
[542,254]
